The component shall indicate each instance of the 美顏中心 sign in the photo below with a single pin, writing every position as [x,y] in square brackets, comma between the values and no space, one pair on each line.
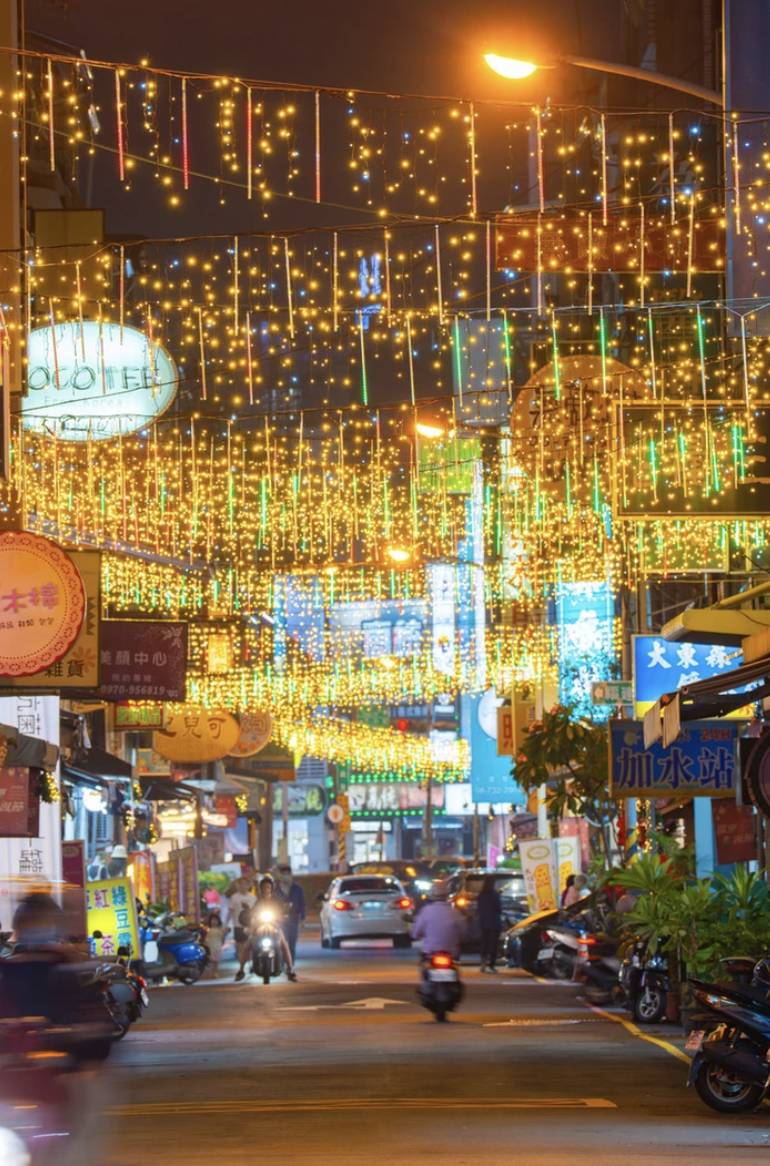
[701,762]
[90,381]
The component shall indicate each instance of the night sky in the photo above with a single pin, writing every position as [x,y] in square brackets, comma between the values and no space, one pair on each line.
[409,46]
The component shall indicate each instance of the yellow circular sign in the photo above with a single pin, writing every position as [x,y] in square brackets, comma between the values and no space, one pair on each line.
[42,603]
[194,734]
[256,729]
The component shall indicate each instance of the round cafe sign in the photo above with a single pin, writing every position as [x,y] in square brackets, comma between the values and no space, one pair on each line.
[256,730]
[42,603]
[95,381]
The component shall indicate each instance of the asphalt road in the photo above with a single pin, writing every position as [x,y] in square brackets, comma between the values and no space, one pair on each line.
[345,1068]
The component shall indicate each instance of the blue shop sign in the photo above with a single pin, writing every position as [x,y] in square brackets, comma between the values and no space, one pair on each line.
[701,762]
[663,666]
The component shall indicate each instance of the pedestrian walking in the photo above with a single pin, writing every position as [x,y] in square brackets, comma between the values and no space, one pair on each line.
[576,891]
[569,883]
[240,900]
[215,937]
[294,898]
[490,915]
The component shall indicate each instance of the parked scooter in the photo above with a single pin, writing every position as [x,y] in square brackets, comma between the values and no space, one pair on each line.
[266,953]
[126,995]
[598,966]
[644,982]
[731,1043]
[441,989]
[175,955]
[557,957]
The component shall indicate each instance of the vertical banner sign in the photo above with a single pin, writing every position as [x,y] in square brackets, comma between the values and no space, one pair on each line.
[19,802]
[568,858]
[734,832]
[142,875]
[189,900]
[585,622]
[73,861]
[538,863]
[37,857]
[112,912]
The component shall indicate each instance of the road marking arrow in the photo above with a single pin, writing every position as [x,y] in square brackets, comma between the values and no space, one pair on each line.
[370,1004]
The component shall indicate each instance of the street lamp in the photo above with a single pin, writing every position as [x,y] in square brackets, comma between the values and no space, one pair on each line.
[517,70]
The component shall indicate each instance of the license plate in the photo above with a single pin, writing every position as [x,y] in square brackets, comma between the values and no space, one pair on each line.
[442,975]
[545,953]
[373,906]
[145,997]
[694,1041]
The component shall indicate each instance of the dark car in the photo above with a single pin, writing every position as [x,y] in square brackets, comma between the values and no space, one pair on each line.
[414,876]
[463,891]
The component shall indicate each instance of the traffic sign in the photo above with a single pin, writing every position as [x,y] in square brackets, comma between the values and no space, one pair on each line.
[335,814]
[612,692]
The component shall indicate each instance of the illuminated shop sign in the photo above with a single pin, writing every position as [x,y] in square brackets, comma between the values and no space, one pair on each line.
[95,381]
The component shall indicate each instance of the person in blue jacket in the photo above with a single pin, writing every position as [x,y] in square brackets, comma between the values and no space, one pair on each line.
[294,898]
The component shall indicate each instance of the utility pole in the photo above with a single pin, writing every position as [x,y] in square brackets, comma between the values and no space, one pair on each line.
[11,238]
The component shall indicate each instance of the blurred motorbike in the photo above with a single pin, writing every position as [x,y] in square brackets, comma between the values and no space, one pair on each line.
[441,989]
[644,982]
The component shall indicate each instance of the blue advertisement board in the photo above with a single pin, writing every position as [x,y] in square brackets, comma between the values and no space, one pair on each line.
[701,762]
[663,666]
[491,779]
[585,614]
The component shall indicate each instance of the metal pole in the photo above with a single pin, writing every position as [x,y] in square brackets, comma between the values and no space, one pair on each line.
[661,79]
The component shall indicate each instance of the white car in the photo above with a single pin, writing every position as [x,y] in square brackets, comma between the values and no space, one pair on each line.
[366,907]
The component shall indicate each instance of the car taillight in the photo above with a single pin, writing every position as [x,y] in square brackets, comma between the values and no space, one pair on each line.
[404,904]
[342,905]
[441,961]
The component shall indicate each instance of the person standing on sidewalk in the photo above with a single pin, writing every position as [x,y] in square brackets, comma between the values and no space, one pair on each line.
[294,897]
[490,914]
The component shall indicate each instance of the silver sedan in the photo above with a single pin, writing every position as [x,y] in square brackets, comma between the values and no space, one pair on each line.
[366,907]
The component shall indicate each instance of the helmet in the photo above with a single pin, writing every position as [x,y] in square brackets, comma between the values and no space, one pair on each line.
[438,891]
[119,852]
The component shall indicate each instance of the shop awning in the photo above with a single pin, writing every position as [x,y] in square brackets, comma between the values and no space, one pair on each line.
[95,767]
[706,699]
[163,789]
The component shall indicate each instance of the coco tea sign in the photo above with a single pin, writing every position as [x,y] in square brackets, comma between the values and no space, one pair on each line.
[95,381]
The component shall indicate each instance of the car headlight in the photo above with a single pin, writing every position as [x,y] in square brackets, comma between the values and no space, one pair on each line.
[423,884]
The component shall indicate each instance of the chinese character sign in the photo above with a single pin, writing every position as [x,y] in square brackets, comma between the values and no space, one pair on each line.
[585,620]
[112,911]
[143,660]
[19,802]
[196,734]
[662,666]
[700,762]
[42,603]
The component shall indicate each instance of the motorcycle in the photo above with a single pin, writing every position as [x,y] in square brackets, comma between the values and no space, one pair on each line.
[266,953]
[441,989]
[177,955]
[731,1044]
[557,957]
[598,966]
[126,994]
[644,982]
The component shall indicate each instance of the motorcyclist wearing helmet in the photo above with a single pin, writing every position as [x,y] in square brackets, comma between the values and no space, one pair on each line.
[267,897]
[438,925]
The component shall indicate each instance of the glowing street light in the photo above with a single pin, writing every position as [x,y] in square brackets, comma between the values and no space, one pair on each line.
[515,70]
[429,430]
[509,67]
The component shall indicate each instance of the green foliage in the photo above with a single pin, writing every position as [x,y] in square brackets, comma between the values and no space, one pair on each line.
[700,921]
[569,755]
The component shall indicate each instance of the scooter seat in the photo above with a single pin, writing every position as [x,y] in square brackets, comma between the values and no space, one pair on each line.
[756,993]
[175,939]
